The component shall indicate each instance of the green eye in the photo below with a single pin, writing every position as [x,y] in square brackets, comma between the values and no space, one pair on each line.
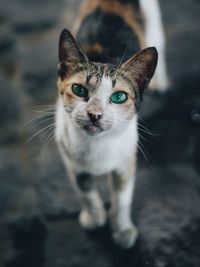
[119,97]
[79,90]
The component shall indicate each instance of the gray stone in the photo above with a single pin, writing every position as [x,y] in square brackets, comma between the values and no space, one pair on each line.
[63,241]
[10,111]
[39,70]
[32,16]
[9,55]
[167,215]
[18,195]
[7,42]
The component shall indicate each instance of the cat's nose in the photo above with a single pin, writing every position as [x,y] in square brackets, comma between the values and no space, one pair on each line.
[94,115]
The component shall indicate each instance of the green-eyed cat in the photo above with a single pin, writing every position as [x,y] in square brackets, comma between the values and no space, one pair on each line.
[101,86]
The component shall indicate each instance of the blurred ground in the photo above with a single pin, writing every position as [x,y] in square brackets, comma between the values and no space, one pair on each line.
[38,209]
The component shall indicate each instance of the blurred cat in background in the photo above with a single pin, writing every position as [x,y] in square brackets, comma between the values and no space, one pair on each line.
[101,85]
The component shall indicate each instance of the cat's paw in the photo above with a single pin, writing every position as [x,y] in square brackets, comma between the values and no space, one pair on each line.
[91,221]
[126,238]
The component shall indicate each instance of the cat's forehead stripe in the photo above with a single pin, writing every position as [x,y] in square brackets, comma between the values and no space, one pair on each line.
[97,70]
[105,87]
[94,70]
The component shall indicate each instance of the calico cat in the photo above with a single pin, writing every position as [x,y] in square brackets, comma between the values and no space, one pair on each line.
[101,86]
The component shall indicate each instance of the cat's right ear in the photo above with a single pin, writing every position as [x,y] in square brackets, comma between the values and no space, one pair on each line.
[70,52]
[141,67]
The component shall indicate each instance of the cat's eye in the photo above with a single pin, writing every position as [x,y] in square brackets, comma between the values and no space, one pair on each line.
[119,97]
[79,90]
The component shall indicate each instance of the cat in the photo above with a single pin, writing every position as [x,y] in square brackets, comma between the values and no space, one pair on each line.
[101,85]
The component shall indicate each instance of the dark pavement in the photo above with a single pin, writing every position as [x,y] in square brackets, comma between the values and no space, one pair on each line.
[38,208]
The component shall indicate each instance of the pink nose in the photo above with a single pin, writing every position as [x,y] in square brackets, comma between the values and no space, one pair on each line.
[94,114]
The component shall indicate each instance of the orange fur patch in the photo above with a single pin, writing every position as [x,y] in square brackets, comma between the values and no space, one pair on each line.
[93,48]
[66,84]
[120,180]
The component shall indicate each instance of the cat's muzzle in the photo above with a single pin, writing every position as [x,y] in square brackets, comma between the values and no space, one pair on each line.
[92,128]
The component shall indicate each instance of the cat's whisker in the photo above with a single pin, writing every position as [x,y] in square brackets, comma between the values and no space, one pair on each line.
[36,106]
[122,58]
[45,133]
[40,122]
[38,117]
[45,106]
[79,116]
[144,127]
[145,130]
[38,132]
[145,139]
[145,154]
[39,111]
[43,109]
[155,135]
[48,141]
[44,112]
[140,118]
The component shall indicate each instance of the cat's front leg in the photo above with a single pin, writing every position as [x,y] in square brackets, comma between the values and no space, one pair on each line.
[123,230]
[92,214]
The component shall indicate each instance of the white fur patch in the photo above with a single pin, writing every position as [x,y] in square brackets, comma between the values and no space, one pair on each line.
[60,126]
[105,89]
[121,204]
[155,36]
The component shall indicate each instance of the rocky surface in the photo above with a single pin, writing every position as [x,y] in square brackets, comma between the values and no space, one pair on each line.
[38,209]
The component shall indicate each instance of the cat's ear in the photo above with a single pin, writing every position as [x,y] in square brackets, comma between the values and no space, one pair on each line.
[70,52]
[141,67]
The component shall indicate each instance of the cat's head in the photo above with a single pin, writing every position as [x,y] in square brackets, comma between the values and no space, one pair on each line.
[99,97]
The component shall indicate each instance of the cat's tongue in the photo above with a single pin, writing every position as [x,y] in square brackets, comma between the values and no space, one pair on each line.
[92,129]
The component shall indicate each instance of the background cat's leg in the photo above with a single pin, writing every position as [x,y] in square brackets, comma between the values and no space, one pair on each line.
[92,214]
[122,185]
[155,36]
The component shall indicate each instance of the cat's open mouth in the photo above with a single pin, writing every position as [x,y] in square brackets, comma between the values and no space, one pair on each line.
[92,129]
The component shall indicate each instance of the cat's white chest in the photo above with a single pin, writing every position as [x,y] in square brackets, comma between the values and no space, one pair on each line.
[102,156]
[98,154]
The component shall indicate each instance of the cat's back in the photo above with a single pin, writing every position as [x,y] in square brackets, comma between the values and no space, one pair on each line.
[110,29]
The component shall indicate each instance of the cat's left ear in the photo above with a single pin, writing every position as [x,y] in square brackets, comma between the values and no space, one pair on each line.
[141,67]
[70,52]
